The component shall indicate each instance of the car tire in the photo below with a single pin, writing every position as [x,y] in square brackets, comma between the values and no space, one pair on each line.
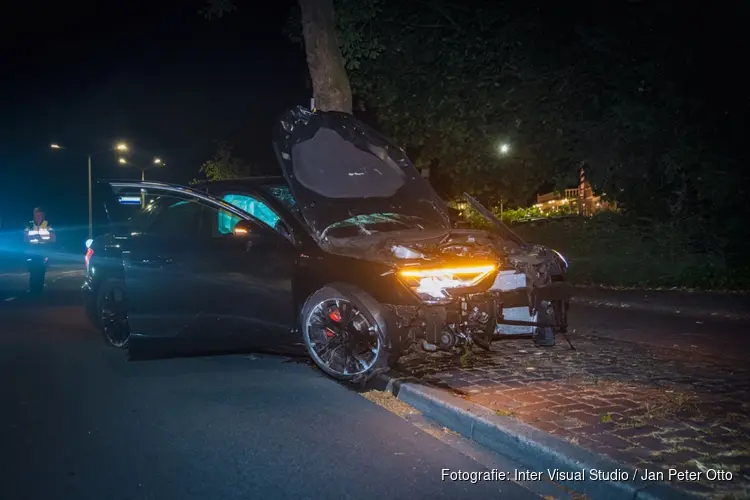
[111,312]
[364,307]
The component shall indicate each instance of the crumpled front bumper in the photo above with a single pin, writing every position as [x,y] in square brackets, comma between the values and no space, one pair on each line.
[519,306]
[510,307]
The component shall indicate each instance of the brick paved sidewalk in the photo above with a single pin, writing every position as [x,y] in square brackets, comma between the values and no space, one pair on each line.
[640,405]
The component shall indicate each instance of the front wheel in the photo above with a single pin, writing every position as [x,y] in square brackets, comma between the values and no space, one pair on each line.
[112,313]
[342,335]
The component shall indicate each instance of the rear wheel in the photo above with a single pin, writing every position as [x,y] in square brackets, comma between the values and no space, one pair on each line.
[342,336]
[112,313]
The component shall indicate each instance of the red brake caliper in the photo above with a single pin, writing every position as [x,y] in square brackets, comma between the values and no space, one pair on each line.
[335,316]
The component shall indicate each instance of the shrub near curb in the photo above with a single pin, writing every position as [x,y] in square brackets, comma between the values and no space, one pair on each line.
[609,249]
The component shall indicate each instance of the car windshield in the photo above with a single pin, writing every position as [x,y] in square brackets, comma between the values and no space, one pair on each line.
[283,194]
[375,223]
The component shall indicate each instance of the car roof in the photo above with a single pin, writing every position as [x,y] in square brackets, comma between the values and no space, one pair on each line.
[245,182]
[251,183]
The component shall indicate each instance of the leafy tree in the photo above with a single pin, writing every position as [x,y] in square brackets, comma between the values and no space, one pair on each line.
[224,165]
[450,83]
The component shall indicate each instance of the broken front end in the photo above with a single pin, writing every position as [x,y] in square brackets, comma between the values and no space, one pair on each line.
[518,294]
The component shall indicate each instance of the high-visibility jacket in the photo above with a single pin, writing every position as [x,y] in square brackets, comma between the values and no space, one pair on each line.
[39,233]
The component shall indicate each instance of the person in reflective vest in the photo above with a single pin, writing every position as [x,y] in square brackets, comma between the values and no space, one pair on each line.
[38,235]
[39,230]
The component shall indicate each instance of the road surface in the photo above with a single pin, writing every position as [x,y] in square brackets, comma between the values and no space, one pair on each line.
[714,336]
[80,422]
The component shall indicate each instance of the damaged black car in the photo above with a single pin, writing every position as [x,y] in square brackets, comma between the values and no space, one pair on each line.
[351,255]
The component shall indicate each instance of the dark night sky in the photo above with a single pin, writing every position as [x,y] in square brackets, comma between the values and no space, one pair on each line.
[164,79]
[169,82]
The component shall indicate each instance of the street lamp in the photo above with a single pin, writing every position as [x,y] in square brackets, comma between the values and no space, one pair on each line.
[504,148]
[119,147]
[156,161]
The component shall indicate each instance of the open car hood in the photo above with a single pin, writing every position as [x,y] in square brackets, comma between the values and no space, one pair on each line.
[506,232]
[345,175]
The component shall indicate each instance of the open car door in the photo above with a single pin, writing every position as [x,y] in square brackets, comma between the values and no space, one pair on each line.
[187,272]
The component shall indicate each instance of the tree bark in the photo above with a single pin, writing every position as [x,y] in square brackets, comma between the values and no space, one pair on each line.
[330,82]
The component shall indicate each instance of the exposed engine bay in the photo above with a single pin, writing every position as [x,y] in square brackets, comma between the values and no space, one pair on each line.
[528,296]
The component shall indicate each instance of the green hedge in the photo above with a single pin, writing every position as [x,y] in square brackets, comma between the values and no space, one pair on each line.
[611,249]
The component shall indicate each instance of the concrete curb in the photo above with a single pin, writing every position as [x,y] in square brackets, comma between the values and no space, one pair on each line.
[532,447]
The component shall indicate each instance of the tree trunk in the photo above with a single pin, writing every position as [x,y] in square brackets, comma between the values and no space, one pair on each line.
[330,82]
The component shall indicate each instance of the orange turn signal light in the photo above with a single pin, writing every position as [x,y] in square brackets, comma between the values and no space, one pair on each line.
[442,271]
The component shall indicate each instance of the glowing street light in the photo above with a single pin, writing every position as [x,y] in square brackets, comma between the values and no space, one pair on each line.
[118,147]
[123,161]
[156,161]
[504,148]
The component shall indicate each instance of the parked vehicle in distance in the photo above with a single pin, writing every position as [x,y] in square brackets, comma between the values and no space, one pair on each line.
[351,253]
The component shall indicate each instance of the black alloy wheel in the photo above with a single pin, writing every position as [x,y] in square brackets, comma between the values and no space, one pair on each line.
[113,316]
[341,337]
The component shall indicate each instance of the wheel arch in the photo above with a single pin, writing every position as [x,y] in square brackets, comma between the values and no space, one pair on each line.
[361,299]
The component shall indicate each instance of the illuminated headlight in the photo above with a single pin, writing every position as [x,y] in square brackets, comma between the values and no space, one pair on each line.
[562,259]
[431,284]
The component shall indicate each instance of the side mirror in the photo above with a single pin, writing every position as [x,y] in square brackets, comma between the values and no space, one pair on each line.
[243,229]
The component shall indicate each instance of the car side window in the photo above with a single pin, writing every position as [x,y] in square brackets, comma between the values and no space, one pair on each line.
[224,222]
[259,210]
[175,216]
[220,221]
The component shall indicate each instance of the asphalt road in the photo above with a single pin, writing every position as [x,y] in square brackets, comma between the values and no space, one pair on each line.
[78,421]
[720,337]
